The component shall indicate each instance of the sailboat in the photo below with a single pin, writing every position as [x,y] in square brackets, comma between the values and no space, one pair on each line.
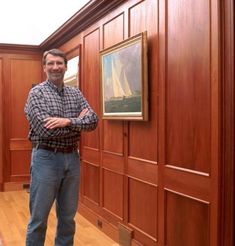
[118,89]
[123,99]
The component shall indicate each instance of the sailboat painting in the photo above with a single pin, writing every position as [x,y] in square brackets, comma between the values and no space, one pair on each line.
[124,80]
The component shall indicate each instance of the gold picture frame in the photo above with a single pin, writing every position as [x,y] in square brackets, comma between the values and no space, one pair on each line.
[124,80]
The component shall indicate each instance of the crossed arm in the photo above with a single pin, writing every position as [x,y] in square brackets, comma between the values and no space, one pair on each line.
[55,122]
[45,125]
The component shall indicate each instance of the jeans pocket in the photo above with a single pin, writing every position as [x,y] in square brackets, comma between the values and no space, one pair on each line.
[44,154]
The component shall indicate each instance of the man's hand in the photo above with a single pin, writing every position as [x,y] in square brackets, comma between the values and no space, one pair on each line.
[54,122]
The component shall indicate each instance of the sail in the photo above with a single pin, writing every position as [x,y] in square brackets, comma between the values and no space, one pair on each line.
[118,89]
[126,86]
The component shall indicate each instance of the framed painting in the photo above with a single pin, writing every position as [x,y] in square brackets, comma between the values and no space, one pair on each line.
[124,85]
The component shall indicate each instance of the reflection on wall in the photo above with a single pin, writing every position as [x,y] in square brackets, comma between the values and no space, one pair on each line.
[71,75]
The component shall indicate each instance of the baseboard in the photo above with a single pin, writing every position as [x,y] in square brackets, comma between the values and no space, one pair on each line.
[102,224]
[14,186]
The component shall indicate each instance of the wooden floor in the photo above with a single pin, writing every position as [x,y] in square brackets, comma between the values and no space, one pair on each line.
[14,215]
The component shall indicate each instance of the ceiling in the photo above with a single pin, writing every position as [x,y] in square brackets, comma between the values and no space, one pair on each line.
[30,22]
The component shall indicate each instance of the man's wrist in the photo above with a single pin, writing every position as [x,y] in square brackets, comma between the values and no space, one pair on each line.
[69,122]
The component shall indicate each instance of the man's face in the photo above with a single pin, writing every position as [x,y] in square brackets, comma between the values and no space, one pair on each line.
[55,68]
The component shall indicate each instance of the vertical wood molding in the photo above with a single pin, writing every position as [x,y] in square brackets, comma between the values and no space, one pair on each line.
[1,124]
[162,45]
[228,110]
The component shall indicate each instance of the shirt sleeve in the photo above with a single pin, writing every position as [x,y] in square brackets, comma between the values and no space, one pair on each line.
[88,122]
[37,111]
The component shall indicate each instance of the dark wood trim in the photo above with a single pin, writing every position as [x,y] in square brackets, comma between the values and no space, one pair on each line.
[7,48]
[88,15]
[1,123]
[228,113]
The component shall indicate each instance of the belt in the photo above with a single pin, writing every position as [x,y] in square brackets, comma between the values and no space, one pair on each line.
[68,149]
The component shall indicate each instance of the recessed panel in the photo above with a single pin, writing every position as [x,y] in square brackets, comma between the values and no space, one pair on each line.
[116,24]
[24,73]
[113,193]
[91,182]
[143,136]
[142,210]
[186,221]
[188,85]
[90,82]
[20,163]
[113,136]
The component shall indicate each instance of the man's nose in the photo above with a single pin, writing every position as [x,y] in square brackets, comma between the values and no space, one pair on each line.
[55,65]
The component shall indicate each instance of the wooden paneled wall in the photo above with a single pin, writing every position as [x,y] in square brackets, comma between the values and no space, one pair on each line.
[189,122]
[160,178]
[119,162]
[21,69]
[157,182]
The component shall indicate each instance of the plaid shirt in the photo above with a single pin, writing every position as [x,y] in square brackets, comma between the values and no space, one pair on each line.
[45,100]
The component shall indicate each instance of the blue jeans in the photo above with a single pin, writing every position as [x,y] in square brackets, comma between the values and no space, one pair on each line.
[54,177]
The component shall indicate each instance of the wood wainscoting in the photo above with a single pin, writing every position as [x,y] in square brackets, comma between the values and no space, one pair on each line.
[170,180]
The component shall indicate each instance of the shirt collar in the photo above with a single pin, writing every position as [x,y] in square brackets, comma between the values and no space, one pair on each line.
[54,87]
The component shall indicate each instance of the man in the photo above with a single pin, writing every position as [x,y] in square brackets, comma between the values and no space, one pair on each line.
[57,114]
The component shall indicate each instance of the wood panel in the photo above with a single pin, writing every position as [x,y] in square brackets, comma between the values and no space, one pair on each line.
[189,120]
[20,165]
[91,179]
[159,178]
[113,130]
[142,197]
[188,85]
[143,170]
[170,164]
[90,143]
[117,24]
[227,223]
[187,220]
[142,137]
[113,163]
[1,124]
[90,155]
[126,155]
[24,72]
[22,68]
[191,183]
[113,193]
[90,82]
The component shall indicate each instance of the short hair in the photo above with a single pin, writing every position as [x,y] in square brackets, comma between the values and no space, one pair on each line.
[54,52]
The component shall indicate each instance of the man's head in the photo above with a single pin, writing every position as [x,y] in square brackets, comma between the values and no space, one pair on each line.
[54,52]
[55,65]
